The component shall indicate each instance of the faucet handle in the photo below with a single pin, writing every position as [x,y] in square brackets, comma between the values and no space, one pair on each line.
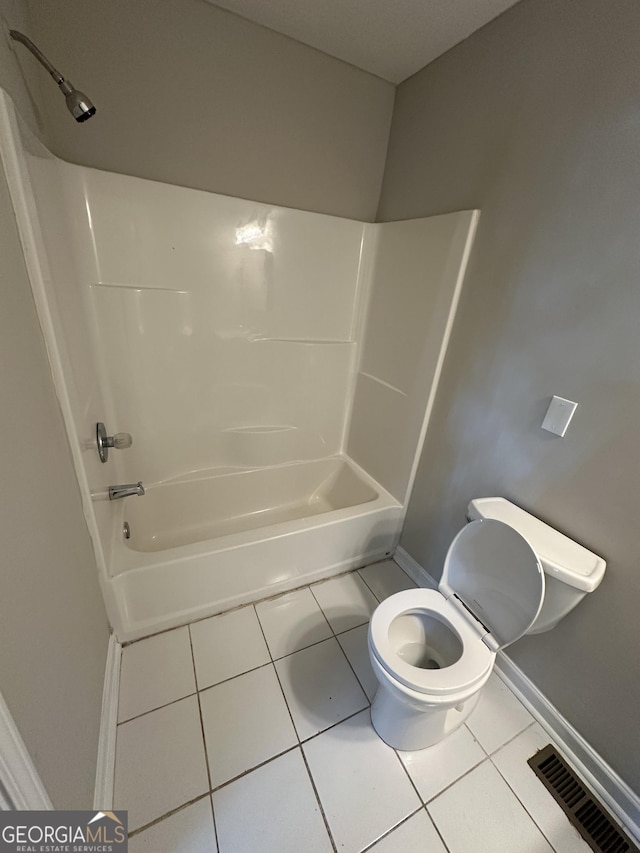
[119,441]
[122,440]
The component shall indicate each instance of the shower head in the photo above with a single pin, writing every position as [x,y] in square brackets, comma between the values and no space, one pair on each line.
[78,104]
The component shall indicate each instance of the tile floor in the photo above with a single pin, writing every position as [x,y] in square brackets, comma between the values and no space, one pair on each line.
[249,732]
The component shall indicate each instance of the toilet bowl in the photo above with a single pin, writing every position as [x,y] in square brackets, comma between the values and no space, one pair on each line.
[433,650]
[430,668]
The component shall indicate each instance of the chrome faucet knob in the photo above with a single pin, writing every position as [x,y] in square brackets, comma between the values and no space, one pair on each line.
[119,441]
[122,440]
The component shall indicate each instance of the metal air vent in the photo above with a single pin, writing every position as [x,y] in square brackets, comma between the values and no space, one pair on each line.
[582,808]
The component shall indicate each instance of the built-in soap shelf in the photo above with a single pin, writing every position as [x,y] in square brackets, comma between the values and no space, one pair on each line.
[260,444]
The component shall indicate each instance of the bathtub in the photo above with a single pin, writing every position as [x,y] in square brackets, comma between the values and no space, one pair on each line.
[204,544]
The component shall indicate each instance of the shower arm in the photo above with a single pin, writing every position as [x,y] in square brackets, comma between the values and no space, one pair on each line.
[16,35]
[80,107]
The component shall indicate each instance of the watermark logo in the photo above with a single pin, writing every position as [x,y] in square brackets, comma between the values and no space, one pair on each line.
[63,832]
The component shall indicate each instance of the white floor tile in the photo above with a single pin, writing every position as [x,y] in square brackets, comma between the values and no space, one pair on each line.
[385,579]
[246,722]
[271,810]
[434,769]
[187,831]
[160,762]
[416,835]
[511,761]
[480,813]
[320,687]
[155,672]
[292,622]
[498,716]
[354,645]
[346,601]
[361,784]
[227,645]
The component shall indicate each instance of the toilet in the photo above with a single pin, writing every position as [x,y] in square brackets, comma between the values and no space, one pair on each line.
[506,574]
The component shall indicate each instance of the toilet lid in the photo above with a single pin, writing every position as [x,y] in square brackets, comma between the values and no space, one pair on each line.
[495,572]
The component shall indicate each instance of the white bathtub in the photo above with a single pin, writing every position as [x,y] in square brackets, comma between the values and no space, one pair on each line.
[202,545]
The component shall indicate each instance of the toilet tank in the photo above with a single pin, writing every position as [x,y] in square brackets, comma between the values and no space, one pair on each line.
[571,571]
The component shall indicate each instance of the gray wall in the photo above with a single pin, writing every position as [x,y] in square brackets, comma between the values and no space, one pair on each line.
[536,120]
[190,94]
[53,628]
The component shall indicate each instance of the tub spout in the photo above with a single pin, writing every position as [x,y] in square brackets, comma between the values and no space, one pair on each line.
[125,491]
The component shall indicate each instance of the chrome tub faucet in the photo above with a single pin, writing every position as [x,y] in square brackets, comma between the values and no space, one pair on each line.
[125,491]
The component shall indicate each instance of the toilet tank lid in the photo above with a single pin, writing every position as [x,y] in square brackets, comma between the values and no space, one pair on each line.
[559,556]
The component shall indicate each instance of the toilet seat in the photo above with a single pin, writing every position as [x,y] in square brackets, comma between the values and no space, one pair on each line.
[471,666]
[493,571]
[491,592]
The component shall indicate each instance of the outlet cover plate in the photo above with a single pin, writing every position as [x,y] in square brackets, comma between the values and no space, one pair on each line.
[559,415]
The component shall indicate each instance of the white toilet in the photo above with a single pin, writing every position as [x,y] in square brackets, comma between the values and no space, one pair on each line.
[506,574]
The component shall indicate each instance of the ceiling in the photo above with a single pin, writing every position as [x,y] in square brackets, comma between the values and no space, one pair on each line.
[390,38]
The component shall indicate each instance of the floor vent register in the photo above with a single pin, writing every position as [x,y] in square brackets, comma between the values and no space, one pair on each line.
[589,817]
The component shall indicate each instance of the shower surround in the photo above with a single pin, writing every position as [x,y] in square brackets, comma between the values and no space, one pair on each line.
[275,367]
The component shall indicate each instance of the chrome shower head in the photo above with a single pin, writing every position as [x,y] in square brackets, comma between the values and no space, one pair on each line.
[78,104]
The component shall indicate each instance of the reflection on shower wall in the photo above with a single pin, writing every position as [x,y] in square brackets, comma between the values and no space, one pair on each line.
[225,327]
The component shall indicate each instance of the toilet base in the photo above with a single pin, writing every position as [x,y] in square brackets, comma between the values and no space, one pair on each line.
[407,726]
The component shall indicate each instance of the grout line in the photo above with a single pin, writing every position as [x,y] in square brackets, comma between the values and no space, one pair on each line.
[355,674]
[388,595]
[303,648]
[402,764]
[379,600]
[209,616]
[335,633]
[523,804]
[128,643]
[511,739]
[264,636]
[455,781]
[284,695]
[233,677]
[255,767]
[464,725]
[158,708]
[319,606]
[306,585]
[352,628]
[170,813]
[392,829]
[321,610]
[320,806]
[204,739]
[526,810]
[333,725]
[437,829]
[215,823]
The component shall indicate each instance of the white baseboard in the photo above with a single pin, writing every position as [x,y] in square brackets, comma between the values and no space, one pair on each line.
[604,781]
[106,764]
[413,569]
[20,784]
